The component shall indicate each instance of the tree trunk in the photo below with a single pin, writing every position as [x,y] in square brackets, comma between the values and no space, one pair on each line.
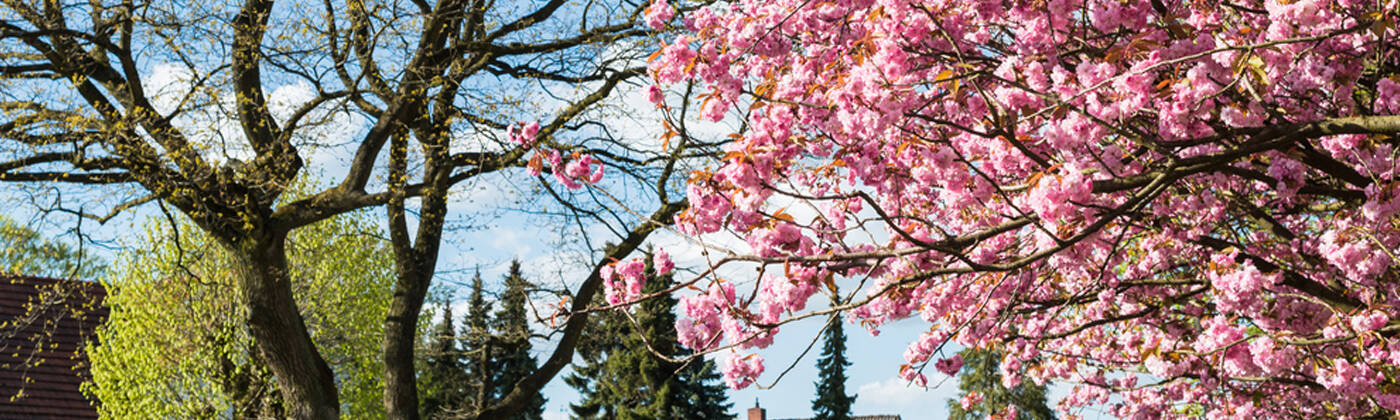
[414,264]
[303,377]
[400,334]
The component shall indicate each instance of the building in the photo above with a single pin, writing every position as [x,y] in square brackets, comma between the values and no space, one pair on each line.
[758,413]
[44,325]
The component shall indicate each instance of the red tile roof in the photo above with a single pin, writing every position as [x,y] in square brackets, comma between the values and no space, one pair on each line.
[44,324]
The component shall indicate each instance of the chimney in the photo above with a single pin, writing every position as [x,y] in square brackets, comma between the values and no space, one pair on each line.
[757,413]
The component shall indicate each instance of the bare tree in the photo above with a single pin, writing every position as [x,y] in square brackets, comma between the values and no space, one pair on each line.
[179,99]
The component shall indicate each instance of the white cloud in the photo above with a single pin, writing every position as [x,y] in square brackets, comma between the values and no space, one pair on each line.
[891,393]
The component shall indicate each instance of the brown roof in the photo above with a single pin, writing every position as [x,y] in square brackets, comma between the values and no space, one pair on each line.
[44,324]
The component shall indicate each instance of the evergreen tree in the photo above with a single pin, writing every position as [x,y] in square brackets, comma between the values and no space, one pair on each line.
[587,377]
[443,381]
[704,395]
[981,374]
[513,336]
[476,348]
[620,378]
[832,403]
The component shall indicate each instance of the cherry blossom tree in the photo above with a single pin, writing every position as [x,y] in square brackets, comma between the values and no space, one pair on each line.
[1188,205]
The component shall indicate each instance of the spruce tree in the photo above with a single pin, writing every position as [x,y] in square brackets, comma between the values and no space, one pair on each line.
[832,403]
[980,373]
[443,382]
[512,354]
[476,345]
[588,376]
[704,395]
[620,378]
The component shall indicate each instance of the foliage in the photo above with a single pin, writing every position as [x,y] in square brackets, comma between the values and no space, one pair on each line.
[621,378]
[1163,204]
[832,403]
[27,252]
[175,345]
[981,393]
[511,353]
[477,346]
[443,380]
[461,365]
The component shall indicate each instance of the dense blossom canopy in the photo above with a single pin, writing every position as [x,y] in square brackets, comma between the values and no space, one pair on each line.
[1189,205]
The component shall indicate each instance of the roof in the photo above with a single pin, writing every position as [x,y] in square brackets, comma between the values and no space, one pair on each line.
[44,324]
[874,417]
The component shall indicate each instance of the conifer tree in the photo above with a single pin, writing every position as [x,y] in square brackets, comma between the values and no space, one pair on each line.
[588,376]
[832,403]
[443,379]
[476,345]
[704,395]
[981,374]
[620,378]
[512,332]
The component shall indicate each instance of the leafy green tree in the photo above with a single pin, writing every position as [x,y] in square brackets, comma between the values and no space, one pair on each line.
[621,378]
[177,343]
[27,252]
[444,379]
[832,403]
[981,374]
[512,331]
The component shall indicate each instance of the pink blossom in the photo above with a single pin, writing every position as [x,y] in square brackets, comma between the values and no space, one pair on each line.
[658,13]
[654,94]
[1369,321]
[662,261]
[1348,379]
[526,136]
[1218,333]
[741,371]
[1388,96]
[949,366]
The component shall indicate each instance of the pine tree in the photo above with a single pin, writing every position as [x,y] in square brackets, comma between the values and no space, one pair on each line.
[513,336]
[981,374]
[588,376]
[443,383]
[832,403]
[704,395]
[477,347]
[620,378]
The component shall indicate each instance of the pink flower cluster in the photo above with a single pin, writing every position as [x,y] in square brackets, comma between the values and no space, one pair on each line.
[741,371]
[624,280]
[572,174]
[658,13]
[526,136]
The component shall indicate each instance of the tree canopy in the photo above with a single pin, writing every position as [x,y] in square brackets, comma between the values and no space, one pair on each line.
[174,346]
[1177,207]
